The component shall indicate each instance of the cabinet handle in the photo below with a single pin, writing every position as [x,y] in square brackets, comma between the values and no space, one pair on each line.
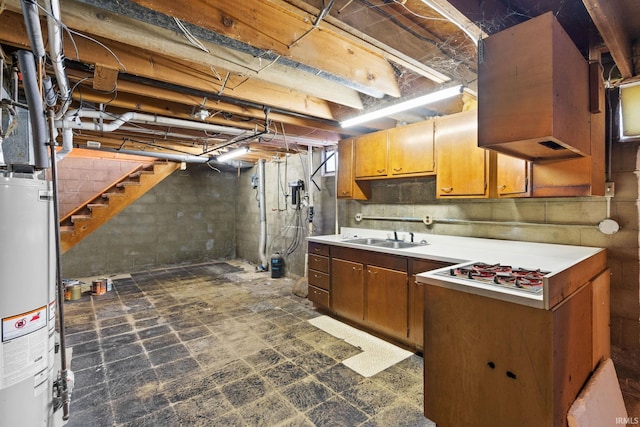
[397,169]
[380,170]
[372,272]
[356,269]
[502,187]
[345,193]
[446,189]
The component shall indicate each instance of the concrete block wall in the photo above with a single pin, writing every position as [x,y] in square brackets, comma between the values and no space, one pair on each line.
[283,221]
[189,217]
[81,178]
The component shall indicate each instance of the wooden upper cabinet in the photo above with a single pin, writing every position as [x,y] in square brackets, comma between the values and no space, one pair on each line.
[348,188]
[370,152]
[463,168]
[512,177]
[411,149]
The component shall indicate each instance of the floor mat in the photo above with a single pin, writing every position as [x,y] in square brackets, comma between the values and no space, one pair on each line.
[377,355]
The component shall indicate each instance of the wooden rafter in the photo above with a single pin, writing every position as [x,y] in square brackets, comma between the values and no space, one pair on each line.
[608,18]
[141,48]
[272,28]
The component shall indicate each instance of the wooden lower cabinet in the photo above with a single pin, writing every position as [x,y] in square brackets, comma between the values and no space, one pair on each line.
[416,299]
[387,300]
[319,275]
[494,363]
[347,289]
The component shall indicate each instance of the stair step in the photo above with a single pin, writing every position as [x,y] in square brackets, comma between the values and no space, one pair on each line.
[80,217]
[112,194]
[126,184]
[66,229]
[137,174]
[91,206]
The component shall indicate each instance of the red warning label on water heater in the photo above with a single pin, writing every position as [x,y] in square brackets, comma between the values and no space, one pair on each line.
[23,324]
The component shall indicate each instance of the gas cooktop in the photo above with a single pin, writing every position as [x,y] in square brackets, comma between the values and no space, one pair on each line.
[506,276]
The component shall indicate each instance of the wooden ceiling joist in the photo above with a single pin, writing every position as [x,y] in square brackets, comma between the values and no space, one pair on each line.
[609,21]
[153,41]
[290,36]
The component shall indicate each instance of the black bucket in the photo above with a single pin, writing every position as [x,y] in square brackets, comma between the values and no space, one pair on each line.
[277,265]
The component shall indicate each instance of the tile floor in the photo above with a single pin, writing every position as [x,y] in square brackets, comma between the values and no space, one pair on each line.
[221,345]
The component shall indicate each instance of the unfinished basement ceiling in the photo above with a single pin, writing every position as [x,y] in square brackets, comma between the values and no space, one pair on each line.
[289,70]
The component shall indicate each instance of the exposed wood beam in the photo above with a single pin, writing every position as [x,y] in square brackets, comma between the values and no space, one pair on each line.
[190,101]
[157,67]
[373,44]
[607,16]
[105,78]
[149,43]
[447,10]
[267,26]
[132,102]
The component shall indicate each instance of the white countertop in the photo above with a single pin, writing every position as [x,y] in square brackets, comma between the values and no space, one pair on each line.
[461,250]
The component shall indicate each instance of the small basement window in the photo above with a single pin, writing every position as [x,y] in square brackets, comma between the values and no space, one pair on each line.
[329,158]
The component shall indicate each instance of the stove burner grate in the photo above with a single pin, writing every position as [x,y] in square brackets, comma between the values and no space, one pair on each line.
[522,279]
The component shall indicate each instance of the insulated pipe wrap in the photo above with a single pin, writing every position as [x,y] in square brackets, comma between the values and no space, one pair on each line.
[36,112]
[32,22]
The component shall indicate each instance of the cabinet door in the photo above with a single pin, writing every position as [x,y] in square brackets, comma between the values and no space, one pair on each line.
[512,177]
[347,289]
[495,357]
[387,300]
[462,166]
[416,299]
[347,187]
[371,155]
[411,149]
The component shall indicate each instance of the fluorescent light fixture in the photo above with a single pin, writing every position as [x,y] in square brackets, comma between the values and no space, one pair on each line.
[232,154]
[403,106]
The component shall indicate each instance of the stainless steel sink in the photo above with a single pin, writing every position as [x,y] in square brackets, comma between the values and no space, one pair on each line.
[366,241]
[384,243]
[395,244]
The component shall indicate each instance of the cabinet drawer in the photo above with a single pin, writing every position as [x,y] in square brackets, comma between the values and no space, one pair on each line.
[318,296]
[422,265]
[319,263]
[318,249]
[320,280]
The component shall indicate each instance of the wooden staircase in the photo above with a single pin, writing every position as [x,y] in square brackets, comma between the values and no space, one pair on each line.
[87,218]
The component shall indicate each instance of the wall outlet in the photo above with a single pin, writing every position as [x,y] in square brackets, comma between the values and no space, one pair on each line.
[427,219]
[609,189]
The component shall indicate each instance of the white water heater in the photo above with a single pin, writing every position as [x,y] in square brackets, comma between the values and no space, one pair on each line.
[27,301]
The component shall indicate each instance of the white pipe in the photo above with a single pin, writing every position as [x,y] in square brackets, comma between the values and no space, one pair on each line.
[263,216]
[57,57]
[187,158]
[67,144]
[71,121]
[311,208]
